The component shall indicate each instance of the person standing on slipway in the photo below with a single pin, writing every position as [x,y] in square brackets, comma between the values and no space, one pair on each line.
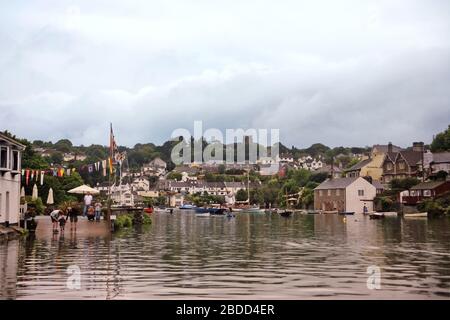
[87,203]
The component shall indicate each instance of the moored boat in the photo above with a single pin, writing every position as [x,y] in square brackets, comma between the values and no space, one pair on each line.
[188,207]
[376,216]
[346,213]
[286,213]
[416,215]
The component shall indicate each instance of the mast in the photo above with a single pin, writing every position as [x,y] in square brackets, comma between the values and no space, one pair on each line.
[248,186]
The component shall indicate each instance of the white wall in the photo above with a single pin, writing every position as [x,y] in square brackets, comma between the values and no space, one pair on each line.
[355,202]
[11,184]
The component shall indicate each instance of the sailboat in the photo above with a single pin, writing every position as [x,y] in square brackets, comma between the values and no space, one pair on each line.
[286,213]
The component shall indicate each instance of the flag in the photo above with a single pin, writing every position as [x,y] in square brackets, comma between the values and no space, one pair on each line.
[112,144]
[110,165]
[104,167]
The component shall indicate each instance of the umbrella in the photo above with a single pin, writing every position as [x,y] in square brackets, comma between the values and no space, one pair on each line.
[35,193]
[22,192]
[50,199]
[84,189]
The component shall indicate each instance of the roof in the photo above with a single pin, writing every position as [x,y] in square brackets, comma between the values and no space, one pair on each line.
[441,157]
[12,141]
[385,147]
[340,183]
[412,157]
[359,165]
[428,185]
[377,184]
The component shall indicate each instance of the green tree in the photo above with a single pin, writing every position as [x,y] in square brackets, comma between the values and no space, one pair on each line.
[63,145]
[441,142]
[404,184]
[241,195]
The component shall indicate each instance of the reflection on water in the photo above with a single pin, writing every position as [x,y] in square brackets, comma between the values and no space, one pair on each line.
[182,256]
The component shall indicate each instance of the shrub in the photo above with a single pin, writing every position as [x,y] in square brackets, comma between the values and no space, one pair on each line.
[123,221]
[147,220]
[432,207]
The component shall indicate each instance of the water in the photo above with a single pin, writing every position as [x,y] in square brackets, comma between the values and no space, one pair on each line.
[182,256]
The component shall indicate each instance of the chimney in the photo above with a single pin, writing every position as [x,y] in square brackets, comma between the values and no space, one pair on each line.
[390,147]
[418,146]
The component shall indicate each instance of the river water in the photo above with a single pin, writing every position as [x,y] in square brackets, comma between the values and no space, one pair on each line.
[253,256]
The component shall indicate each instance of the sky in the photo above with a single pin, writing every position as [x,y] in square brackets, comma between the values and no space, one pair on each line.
[343,73]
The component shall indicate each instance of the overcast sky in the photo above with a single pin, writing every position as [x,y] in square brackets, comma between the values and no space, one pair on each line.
[350,73]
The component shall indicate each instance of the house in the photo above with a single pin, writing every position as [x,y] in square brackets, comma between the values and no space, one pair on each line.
[424,191]
[372,166]
[379,186]
[403,164]
[440,162]
[286,158]
[140,184]
[269,169]
[335,171]
[156,167]
[10,177]
[344,195]
[67,157]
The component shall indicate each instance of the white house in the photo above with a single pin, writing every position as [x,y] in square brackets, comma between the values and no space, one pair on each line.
[345,195]
[141,184]
[10,176]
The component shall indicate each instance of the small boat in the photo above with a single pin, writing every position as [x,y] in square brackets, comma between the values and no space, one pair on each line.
[346,213]
[163,210]
[217,211]
[286,213]
[313,212]
[202,212]
[255,210]
[188,207]
[389,214]
[376,216]
[416,215]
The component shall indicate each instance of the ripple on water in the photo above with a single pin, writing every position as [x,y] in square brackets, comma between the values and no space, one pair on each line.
[250,257]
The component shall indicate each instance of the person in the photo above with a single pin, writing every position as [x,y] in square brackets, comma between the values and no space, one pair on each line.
[54,216]
[87,203]
[91,213]
[98,211]
[366,210]
[72,215]
[62,221]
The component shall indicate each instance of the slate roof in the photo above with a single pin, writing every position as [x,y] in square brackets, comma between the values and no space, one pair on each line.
[428,185]
[441,157]
[359,165]
[341,183]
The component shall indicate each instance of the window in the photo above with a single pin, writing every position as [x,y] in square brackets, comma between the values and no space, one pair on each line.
[320,193]
[427,193]
[15,166]
[329,192]
[4,157]
[389,166]
[401,166]
[361,193]
[338,192]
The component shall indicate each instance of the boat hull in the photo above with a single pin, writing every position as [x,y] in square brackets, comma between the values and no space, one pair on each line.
[416,215]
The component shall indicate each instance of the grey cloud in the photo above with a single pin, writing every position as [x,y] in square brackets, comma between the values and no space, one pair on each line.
[372,74]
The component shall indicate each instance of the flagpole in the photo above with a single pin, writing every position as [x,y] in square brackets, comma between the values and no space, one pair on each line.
[108,214]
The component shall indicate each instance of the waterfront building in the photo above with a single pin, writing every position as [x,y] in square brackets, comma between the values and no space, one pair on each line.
[403,164]
[440,162]
[10,176]
[372,166]
[344,195]
[425,191]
